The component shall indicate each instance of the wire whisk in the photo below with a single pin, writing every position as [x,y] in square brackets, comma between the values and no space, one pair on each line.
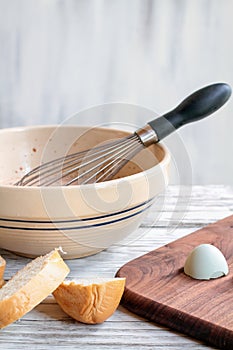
[85,167]
[103,162]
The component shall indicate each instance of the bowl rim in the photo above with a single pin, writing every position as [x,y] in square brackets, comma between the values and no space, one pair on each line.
[134,177]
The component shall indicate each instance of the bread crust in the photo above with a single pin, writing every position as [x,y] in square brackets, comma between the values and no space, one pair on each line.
[52,273]
[2,270]
[92,303]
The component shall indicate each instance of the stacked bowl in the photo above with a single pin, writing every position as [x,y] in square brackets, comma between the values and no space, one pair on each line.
[82,219]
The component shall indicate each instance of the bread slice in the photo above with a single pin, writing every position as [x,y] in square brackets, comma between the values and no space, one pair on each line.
[2,270]
[29,286]
[90,301]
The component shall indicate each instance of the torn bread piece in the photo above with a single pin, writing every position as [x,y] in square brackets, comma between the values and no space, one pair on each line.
[2,270]
[90,300]
[29,286]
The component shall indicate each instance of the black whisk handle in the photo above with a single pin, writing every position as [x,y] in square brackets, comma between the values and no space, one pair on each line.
[198,105]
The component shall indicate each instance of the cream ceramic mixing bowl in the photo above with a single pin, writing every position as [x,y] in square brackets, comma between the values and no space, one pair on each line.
[82,219]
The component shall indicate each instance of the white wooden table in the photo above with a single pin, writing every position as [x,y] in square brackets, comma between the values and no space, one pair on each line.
[48,327]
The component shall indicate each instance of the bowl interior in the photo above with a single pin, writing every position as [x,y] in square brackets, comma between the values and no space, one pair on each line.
[22,149]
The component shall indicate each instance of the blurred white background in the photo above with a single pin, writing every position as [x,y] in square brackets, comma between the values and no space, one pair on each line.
[58,57]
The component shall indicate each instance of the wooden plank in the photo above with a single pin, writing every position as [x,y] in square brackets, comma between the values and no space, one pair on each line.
[48,327]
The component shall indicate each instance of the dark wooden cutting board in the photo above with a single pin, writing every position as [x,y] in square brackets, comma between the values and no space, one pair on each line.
[158,289]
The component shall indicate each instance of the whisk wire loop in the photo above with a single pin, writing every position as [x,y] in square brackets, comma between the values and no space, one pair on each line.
[93,165]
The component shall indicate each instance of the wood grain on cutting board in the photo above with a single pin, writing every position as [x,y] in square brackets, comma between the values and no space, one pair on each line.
[158,289]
